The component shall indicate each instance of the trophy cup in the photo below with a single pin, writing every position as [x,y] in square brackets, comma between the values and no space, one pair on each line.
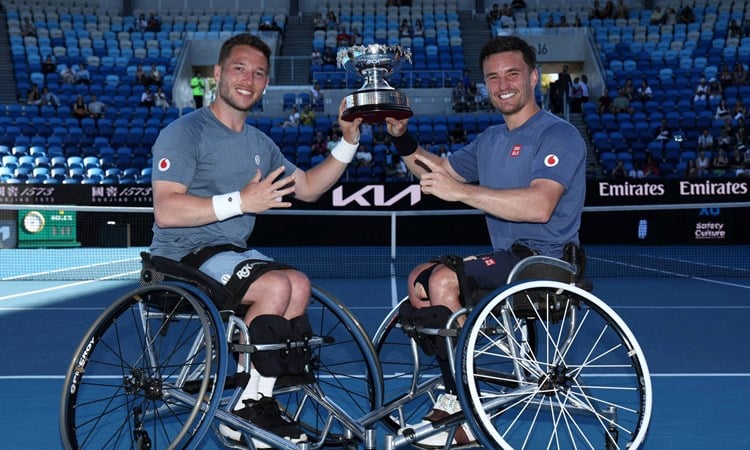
[376,99]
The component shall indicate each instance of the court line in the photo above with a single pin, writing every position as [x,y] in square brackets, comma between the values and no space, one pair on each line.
[70,269]
[65,286]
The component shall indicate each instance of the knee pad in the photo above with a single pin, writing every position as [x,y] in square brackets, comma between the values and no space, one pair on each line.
[302,332]
[271,329]
[432,317]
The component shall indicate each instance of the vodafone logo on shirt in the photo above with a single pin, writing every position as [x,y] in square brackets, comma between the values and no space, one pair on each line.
[164,165]
[551,160]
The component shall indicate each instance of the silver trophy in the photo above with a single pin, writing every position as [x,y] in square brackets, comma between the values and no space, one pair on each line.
[376,99]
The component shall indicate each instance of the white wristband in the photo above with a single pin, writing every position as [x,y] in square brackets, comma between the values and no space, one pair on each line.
[227,205]
[344,151]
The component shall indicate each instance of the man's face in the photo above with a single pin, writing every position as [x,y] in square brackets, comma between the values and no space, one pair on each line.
[510,83]
[242,78]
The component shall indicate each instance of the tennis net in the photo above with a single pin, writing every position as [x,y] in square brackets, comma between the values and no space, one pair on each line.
[41,242]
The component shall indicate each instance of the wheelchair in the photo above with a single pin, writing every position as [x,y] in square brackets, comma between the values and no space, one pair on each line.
[540,362]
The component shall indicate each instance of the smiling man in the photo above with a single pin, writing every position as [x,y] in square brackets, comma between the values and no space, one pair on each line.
[527,175]
[212,174]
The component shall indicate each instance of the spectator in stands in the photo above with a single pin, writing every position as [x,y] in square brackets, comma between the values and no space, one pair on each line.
[458,133]
[596,11]
[154,77]
[663,134]
[147,98]
[621,103]
[316,59]
[563,23]
[418,28]
[363,157]
[79,109]
[722,111]
[356,37]
[725,140]
[621,11]
[472,92]
[657,16]
[141,23]
[307,117]
[644,92]
[48,98]
[691,170]
[618,172]
[636,171]
[460,96]
[332,22]
[518,5]
[269,24]
[329,56]
[96,107]
[518,204]
[160,99]
[609,9]
[592,171]
[564,88]
[726,76]
[319,144]
[703,164]
[605,102]
[293,119]
[737,163]
[405,30]
[197,86]
[319,23]
[686,15]
[33,97]
[738,111]
[82,74]
[317,98]
[740,131]
[380,135]
[576,95]
[701,91]
[720,163]
[740,74]
[670,16]
[48,65]
[67,76]
[205,203]
[706,140]
[28,29]
[651,167]
[140,76]
[494,14]
[506,16]
[714,89]
[153,24]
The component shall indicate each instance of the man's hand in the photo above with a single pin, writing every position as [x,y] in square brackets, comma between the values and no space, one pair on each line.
[261,195]
[349,129]
[438,182]
[396,127]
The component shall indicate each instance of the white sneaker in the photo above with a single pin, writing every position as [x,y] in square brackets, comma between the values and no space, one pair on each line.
[445,405]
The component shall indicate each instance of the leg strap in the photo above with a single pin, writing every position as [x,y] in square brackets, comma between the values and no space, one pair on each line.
[271,329]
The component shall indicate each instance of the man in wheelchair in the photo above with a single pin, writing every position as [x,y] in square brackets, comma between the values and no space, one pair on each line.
[212,174]
[527,175]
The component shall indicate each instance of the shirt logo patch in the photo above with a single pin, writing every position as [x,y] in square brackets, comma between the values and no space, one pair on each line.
[488,261]
[516,150]
[551,160]
[164,165]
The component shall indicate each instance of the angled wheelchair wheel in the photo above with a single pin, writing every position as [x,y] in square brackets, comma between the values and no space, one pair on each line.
[148,373]
[348,380]
[583,383]
[411,379]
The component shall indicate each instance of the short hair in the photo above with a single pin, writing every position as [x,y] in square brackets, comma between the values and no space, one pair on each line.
[244,39]
[502,44]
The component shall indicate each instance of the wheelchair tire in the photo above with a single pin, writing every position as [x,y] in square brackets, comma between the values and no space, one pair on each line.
[147,374]
[584,383]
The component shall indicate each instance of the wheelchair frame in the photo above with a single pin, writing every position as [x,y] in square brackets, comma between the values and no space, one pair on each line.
[529,359]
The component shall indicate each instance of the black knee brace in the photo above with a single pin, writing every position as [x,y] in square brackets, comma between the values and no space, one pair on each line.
[271,329]
[300,356]
[428,317]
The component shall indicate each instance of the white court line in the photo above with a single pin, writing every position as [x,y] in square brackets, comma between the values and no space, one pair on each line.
[68,269]
[65,286]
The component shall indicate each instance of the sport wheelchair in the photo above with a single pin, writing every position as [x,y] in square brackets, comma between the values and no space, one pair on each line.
[539,363]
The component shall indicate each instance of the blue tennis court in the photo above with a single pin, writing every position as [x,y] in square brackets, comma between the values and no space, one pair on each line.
[692,329]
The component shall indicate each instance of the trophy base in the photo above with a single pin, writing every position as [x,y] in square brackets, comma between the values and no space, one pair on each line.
[376,113]
[374,105]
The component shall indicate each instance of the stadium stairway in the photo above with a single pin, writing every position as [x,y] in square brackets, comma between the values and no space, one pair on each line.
[292,68]
[474,34]
[576,119]
[7,96]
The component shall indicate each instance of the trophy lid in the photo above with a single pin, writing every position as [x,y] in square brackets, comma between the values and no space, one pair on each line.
[361,58]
